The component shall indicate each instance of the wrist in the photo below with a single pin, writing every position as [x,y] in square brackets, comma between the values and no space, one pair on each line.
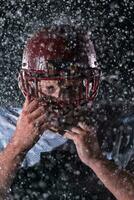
[96,161]
[14,149]
[19,142]
[12,157]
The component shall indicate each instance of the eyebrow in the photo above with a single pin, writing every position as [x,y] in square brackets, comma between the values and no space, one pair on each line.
[50,86]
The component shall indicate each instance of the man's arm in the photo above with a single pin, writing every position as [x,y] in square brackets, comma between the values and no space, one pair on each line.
[119,182]
[10,160]
[30,126]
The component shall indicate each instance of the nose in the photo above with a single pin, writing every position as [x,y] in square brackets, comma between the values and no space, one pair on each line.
[62,95]
[58,94]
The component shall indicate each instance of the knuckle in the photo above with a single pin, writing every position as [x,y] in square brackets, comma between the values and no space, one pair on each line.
[77,140]
[24,112]
[42,109]
[29,119]
[81,137]
[33,100]
[84,133]
[36,101]
[43,117]
[77,137]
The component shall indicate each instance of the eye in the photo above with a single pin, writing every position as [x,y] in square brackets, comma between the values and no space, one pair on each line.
[69,89]
[51,89]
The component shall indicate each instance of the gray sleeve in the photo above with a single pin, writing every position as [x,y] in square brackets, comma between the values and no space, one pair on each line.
[123,148]
[48,141]
[6,132]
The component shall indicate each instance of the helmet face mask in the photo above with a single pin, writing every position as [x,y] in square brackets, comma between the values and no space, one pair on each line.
[67,61]
[82,88]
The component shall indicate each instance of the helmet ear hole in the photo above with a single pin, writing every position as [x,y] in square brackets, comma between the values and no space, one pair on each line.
[21,84]
[26,86]
[32,88]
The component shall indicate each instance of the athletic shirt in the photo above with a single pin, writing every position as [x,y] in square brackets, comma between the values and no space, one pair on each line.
[115,136]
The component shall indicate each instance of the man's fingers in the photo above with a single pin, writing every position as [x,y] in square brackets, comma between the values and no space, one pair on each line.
[84,126]
[41,120]
[26,103]
[37,113]
[40,125]
[77,130]
[70,135]
[87,128]
[32,106]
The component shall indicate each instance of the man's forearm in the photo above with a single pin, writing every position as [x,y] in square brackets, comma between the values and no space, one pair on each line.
[119,182]
[10,160]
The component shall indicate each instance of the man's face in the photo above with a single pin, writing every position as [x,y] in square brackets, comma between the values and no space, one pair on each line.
[50,88]
[65,90]
[62,91]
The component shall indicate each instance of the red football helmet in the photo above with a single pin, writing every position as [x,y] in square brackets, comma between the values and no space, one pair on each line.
[60,53]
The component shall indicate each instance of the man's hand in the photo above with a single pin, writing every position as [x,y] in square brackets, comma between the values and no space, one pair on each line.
[30,125]
[119,182]
[86,142]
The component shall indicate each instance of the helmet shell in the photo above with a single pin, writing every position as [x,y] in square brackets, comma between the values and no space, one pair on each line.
[58,43]
[60,52]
